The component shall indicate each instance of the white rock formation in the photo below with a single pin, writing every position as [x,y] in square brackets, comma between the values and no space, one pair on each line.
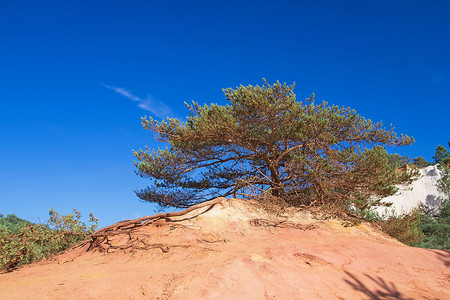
[423,190]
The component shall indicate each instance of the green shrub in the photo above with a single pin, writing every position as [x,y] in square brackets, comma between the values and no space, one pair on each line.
[419,228]
[38,241]
[13,222]
[436,229]
[404,227]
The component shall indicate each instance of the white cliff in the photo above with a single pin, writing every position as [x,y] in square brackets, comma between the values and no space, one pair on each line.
[423,190]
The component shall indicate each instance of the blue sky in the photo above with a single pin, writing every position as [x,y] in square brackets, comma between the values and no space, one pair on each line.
[77,76]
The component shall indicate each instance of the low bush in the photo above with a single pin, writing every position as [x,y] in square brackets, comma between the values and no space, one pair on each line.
[436,228]
[35,242]
[421,227]
[13,222]
[404,227]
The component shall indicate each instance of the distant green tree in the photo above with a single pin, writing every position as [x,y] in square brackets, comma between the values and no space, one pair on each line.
[444,166]
[397,160]
[264,143]
[443,183]
[13,222]
[440,154]
[421,162]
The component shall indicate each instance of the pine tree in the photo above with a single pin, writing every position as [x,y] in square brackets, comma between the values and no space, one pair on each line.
[421,162]
[440,154]
[444,166]
[266,143]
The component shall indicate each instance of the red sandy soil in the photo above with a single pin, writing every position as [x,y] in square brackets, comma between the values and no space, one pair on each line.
[233,250]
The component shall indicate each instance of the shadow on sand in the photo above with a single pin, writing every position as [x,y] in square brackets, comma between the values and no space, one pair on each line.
[444,257]
[384,290]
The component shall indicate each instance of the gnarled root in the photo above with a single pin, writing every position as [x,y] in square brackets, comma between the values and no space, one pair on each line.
[101,238]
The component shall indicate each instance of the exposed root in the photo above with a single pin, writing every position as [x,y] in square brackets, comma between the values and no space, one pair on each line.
[107,239]
[143,220]
[101,238]
[224,240]
[282,224]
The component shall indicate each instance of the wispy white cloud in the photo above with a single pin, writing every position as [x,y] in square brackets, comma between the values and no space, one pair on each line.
[149,103]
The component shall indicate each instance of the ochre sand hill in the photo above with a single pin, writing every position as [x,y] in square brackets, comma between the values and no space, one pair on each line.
[230,249]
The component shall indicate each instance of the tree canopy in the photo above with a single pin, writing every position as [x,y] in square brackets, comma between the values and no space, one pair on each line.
[397,160]
[441,154]
[266,143]
[421,162]
[13,222]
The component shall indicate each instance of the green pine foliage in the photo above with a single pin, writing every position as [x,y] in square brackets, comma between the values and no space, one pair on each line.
[436,229]
[421,162]
[34,242]
[422,227]
[397,161]
[444,166]
[265,143]
[443,183]
[13,223]
[441,153]
[404,227]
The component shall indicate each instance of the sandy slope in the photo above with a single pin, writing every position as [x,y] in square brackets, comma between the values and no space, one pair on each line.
[234,251]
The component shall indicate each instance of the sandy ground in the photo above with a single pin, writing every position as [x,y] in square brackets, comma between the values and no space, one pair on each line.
[235,251]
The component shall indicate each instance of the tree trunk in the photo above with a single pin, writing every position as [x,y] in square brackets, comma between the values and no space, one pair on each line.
[276,184]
